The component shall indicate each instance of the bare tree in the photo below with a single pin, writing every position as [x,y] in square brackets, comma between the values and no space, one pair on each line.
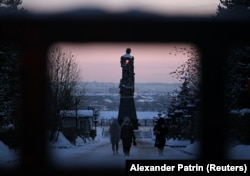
[63,75]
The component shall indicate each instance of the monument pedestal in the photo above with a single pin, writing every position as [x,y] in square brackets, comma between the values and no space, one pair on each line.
[127,109]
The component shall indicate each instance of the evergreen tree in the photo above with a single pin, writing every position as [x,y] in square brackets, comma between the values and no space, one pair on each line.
[11,6]
[234,9]
[11,83]
[10,94]
[236,83]
[183,107]
[237,97]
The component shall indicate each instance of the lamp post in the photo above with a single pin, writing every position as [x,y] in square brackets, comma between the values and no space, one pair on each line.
[191,110]
[95,115]
[77,101]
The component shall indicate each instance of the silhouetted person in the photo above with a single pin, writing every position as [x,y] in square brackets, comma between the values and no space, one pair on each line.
[127,136]
[114,131]
[160,132]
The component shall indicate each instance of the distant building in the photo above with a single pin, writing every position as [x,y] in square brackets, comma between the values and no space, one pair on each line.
[83,119]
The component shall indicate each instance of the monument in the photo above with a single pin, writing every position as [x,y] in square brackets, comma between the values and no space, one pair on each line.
[127,86]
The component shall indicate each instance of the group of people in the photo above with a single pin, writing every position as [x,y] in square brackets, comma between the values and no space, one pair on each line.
[125,133]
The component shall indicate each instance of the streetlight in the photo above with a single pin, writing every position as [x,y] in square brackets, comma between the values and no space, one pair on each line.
[191,110]
[95,115]
[77,101]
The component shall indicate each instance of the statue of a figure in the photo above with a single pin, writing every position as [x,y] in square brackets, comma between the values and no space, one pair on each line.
[127,81]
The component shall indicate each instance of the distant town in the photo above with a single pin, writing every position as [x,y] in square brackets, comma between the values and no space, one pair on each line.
[105,96]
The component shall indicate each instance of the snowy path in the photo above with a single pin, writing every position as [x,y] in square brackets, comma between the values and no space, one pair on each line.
[99,155]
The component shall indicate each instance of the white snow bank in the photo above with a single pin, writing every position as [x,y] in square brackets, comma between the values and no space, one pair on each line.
[193,148]
[177,143]
[240,152]
[6,153]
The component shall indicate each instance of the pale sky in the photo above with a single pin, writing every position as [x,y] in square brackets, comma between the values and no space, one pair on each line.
[186,7]
[153,62]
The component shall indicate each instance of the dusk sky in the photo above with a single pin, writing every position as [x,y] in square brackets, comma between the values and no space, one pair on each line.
[153,62]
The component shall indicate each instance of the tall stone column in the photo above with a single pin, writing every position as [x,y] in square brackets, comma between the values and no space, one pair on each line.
[127,85]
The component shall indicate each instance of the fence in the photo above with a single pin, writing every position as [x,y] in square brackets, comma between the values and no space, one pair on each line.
[142,122]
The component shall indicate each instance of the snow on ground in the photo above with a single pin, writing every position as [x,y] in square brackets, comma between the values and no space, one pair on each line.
[6,154]
[98,153]
[63,148]
[240,152]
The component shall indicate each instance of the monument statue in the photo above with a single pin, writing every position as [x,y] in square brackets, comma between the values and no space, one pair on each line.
[127,86]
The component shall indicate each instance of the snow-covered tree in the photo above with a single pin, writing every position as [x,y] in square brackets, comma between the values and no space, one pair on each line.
[234,9]
[10,83]
[11,6]
[10,94]
[183,107]
[237,97]
[236,82]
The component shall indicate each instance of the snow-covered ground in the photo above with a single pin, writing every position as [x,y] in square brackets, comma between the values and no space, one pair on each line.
[63,152]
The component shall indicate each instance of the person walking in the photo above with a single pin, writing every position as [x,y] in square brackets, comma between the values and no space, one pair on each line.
[160,131]
[114,132]
[127,136]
